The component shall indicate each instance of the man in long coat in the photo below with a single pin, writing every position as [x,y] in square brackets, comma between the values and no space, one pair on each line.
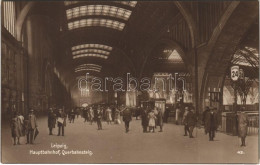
[184,121]
[243,122]
[127,117]
[61,122]
[32,124]
[211,123]
[145,120]
[191,122]
[51,120]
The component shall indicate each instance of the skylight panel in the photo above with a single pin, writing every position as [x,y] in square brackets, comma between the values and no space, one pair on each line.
[87,70]
[127,3]
[105,10]
[90,65]
[90,55]
[96,22]
[93,46]
[175,57]
[90,51]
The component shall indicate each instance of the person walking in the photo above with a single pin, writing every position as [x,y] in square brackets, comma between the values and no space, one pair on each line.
[51,120]
[32,125]
[211,123]
[127,117]
[184,121]
[152,118]
[191,122]
[160,119]
[145,120]
[243,122]
[99,118]
[61,118]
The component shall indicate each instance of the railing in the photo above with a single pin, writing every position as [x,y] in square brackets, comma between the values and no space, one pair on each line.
[229,124]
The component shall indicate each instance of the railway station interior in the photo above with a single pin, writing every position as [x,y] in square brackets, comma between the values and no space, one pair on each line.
[210,51]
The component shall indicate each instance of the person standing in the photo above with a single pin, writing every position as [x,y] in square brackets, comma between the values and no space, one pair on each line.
[210,123]
[16,128]
[91,115]
[160,119]
[184,121]
[117,116]
[191,121]
[204,118]
[61,122]
[155,111]
[99,118]
[152,119]
[127,117]
[32,125]
[243,122]
[145,120]
[72,115]
[177,115]
[109,115]
[51,120]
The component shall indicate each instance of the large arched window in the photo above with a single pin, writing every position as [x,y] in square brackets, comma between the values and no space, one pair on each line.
[9,17]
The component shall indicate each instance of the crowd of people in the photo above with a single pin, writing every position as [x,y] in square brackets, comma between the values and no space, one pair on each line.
[151,118]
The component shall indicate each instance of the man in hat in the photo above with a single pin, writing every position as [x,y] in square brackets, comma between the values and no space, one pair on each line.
[127,117]
[32,125]
[99,118]
[184,121]
[61,121]
[51,120]
[211,123]
[191,121]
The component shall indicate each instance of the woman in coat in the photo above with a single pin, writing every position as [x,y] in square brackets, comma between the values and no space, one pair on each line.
[109,115]
[16,128]
[152,118]
[51,121]
[117,116]
[243,121]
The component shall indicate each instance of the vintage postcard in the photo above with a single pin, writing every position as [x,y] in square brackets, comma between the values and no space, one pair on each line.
[101,82]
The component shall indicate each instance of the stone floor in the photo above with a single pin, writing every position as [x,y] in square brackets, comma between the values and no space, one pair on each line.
[113,145]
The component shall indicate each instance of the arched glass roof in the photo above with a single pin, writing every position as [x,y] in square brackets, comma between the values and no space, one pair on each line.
[127,3]
[114,14]
[91,50]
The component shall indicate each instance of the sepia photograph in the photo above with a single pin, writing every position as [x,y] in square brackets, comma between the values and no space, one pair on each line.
[129,82]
